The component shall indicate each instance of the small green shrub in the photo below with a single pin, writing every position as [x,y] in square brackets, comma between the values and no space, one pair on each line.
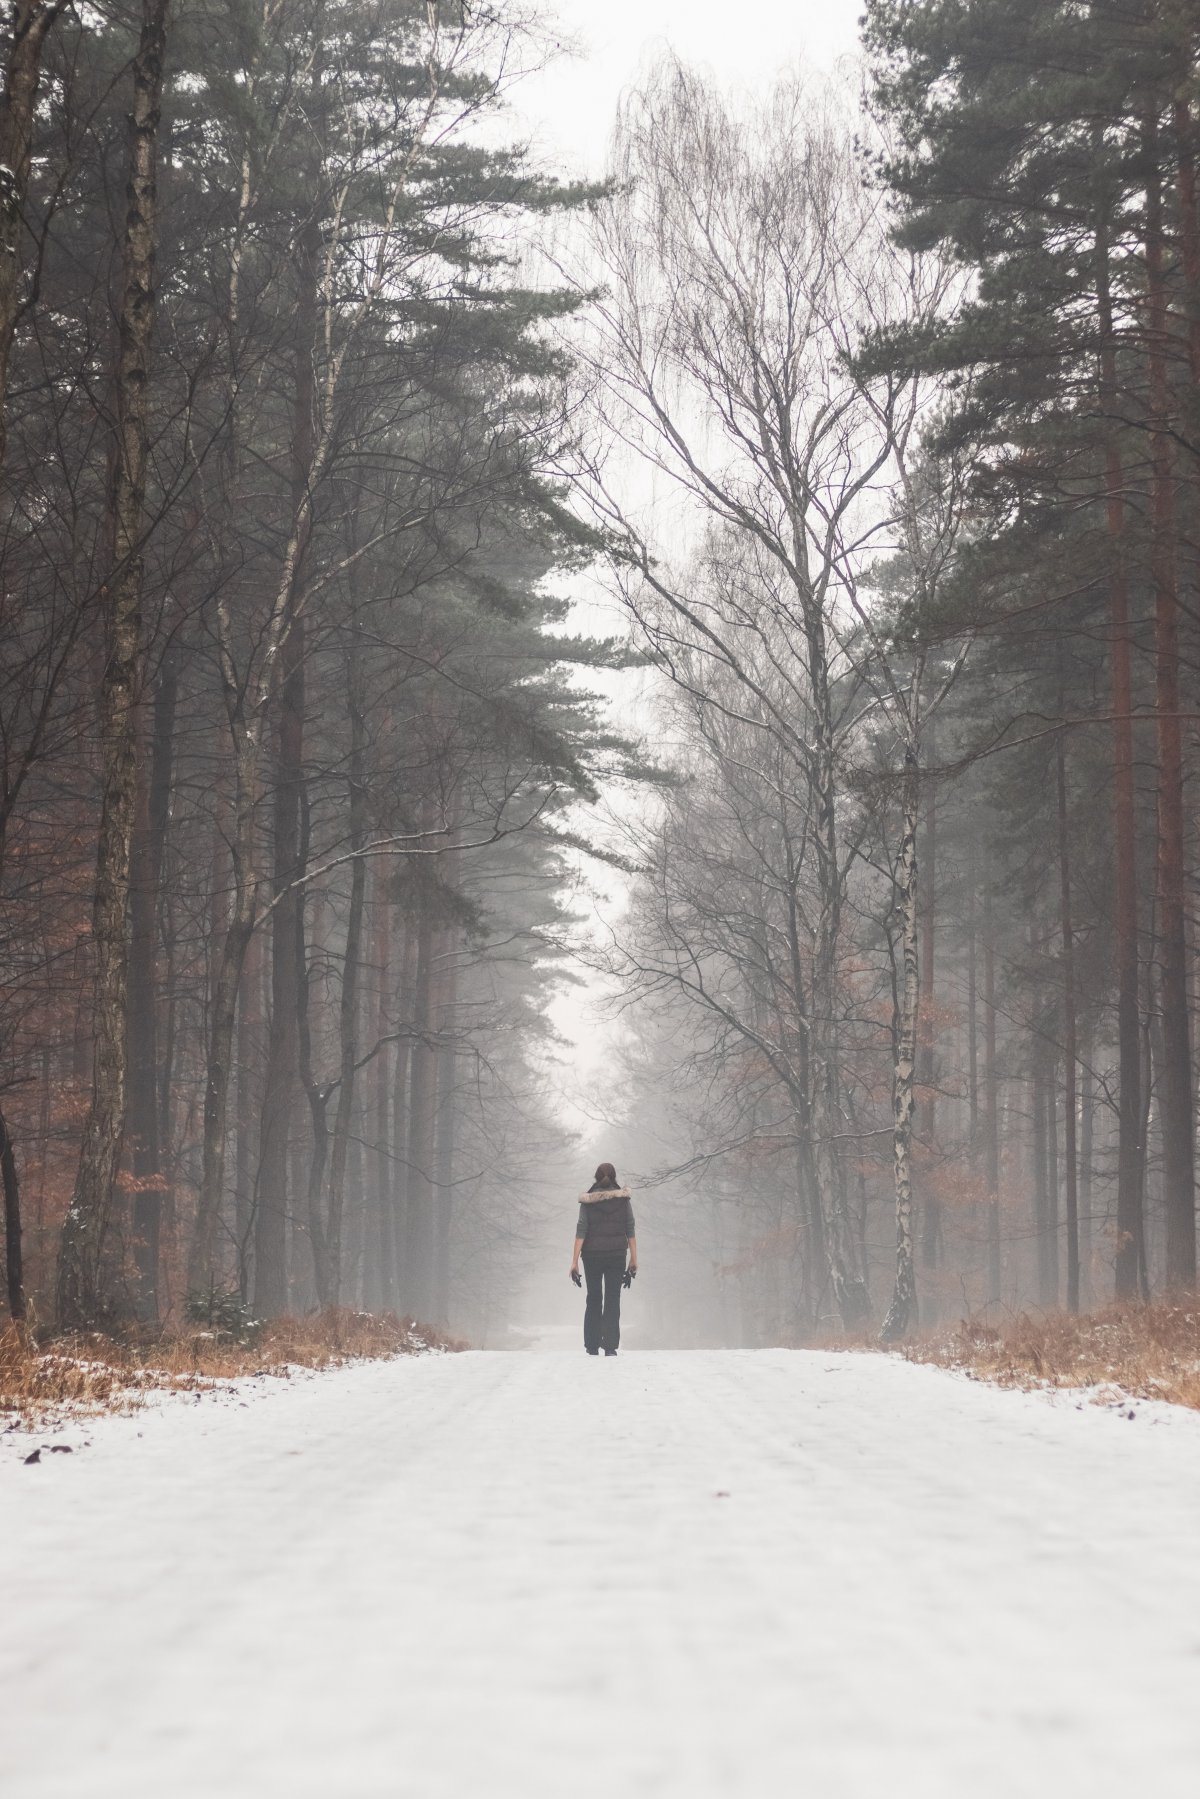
[226,1314]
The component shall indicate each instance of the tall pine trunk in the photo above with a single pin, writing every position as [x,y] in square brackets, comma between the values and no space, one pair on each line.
[282,1078]
[146,869]
[1038,1150]
[931,1211]
[1131,1138]
[287,927]
[223,1006]
[348,1011]
[381,1184]
[992,1092]
[250,1050]
[1184,128]
[89,1265]
[1087,1116]
[1049,1266]
[401,1133]
[1175,1083]
[972,1012]
[14,1267]
[447,1122]
[422,1106]
[1070,1048]
[318,1101]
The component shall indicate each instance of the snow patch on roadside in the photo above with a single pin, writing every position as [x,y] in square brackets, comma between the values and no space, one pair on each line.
[74,1425]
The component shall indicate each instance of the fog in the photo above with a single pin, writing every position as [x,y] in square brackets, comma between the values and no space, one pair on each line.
[599,682]
[545,625]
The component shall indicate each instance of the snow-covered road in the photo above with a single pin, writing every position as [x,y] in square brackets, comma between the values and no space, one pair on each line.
[548,1577]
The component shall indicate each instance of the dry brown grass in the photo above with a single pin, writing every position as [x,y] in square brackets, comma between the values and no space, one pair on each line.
[1145,1352]
[87,1374]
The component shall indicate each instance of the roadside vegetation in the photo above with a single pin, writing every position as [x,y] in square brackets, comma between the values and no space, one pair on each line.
[1140,1352]
[88,1373]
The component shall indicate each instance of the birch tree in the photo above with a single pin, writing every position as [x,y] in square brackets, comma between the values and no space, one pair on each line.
[910,660]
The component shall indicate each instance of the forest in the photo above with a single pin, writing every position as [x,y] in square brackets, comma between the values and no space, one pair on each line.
[863,842]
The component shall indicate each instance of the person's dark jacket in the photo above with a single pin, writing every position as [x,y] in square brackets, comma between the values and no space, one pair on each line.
[605,1221]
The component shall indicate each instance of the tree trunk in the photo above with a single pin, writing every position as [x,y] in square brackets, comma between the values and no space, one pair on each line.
[162,780]
[381,1187]
[287,932]
[146,866]
[169,1032]
[1039,1158]
[1189,235]
[89,1268]
[808,1192]
[29,24]
[1049,1281]
[142,1044]
[1070,1053]
[1087,1109]
[223,1008]
[1130,1145]
[931,1211]
[351,969]
[1147,1091]
[447,1120]
[354,1230]
[401,1134]
[972,1013]
[318,1103]
[992,1090]
[419,1245]
[14,1267]
[250,1052]
[1175,1084]
[902,1313]
[270,1223]
[841,1238]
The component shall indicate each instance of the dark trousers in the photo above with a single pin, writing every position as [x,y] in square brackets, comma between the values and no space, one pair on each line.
[602,1313]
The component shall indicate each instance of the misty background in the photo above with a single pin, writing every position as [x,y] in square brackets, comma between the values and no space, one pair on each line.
[596,585]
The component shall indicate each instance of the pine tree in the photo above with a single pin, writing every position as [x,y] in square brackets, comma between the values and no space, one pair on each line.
[1038,141]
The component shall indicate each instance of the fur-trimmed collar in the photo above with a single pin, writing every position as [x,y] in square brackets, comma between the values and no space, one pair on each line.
[588,1199]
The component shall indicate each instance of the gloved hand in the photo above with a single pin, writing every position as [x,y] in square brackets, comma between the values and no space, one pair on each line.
[630,1277]
[577,1277]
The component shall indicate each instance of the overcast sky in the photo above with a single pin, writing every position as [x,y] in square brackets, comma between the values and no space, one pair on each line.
[570,106]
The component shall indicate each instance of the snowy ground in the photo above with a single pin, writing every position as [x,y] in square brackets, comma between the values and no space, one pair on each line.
[530,1577]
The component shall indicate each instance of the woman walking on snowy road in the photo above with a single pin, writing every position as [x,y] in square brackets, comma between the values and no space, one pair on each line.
[604,1236]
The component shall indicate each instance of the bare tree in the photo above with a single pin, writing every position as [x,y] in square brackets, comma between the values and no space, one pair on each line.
[743,263]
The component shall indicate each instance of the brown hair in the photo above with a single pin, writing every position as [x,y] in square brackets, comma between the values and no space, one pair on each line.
[606,1176]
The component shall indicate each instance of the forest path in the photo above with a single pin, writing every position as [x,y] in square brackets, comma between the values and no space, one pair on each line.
[496,1576]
